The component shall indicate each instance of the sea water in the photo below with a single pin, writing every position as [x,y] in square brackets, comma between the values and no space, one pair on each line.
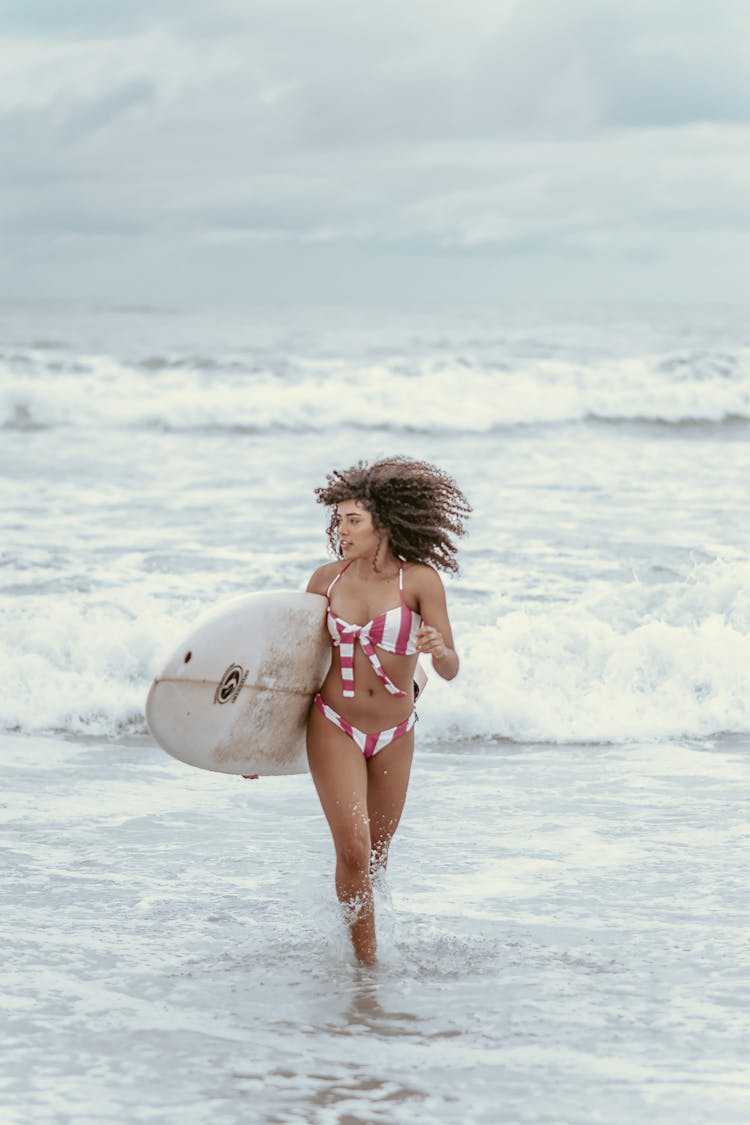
[562,927]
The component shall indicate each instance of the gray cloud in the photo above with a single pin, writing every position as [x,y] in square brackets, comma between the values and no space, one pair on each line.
[606,133]
[101,112]
[80,19]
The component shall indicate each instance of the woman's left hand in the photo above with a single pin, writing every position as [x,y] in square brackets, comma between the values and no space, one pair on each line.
[430,641]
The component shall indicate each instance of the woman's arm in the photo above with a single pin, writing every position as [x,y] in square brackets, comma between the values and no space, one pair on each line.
[435,636]
[321,579]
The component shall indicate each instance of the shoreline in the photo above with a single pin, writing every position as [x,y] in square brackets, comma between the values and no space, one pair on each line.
[565,937]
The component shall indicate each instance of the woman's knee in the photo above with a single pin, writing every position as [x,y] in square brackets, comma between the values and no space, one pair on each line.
[353,850]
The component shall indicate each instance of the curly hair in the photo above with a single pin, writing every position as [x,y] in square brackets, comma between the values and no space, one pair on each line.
[418,506]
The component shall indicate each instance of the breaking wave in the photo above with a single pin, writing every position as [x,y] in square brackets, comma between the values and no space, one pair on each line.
[233,395]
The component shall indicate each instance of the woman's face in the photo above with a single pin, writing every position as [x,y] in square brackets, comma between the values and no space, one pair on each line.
[358,538]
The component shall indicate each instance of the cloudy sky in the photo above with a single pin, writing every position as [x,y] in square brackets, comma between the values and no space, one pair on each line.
[404,149]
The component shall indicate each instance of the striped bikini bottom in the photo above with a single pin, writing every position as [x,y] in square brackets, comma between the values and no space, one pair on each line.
[369,744]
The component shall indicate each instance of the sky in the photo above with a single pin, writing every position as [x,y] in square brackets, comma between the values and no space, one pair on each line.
[408,150]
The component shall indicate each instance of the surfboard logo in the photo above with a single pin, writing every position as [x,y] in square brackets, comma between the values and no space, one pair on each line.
[229,686]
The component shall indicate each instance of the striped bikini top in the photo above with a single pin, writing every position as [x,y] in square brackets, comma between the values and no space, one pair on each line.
[394,631]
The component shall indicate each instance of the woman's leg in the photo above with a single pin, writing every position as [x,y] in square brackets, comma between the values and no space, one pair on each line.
[387,781]
[340,775]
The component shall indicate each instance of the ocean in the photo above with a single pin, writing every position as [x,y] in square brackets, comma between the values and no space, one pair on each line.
[563,933]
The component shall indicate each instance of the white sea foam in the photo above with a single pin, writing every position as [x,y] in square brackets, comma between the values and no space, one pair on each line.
[561,915]
[99,391]
[569,677]
[620,662]
[114,533]
[80,670]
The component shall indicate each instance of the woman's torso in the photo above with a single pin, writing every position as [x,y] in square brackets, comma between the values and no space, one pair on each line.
[375,608]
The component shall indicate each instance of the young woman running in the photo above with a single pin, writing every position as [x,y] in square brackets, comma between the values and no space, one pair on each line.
[392,526]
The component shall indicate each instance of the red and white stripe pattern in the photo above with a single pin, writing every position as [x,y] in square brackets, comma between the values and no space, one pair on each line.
[394,631]
[369,744]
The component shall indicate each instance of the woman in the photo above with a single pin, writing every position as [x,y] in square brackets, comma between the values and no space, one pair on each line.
[391,525]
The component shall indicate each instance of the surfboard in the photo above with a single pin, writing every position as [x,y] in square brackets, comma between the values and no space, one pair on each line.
[234,695]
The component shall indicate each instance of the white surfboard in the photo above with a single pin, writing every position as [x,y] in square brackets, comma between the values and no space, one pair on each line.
[235,694]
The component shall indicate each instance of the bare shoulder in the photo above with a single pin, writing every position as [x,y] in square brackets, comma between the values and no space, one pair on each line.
[423,579]
[322,578]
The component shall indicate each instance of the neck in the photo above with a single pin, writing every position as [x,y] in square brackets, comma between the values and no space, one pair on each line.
[387,567]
